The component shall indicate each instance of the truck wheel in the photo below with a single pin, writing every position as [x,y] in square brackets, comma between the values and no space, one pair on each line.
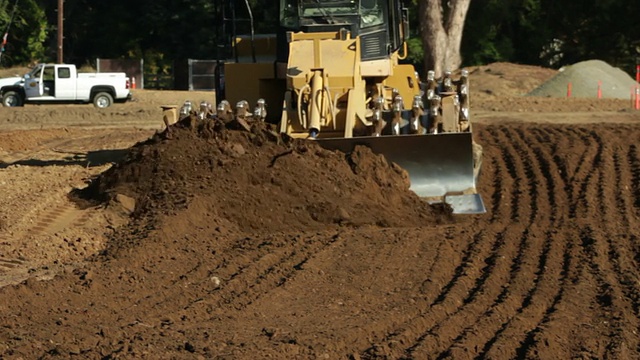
[102,100]
[11,99]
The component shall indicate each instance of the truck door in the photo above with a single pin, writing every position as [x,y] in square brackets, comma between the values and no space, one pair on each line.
[65,84]
[49,81]
[34,85]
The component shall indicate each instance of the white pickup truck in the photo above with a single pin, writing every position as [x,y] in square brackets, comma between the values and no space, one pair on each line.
[61,83]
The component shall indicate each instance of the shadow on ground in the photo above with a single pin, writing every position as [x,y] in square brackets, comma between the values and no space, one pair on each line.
[88,159]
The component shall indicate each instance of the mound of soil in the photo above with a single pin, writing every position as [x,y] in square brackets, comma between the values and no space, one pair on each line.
[259,182]
[585,77]
[499,87]
[506,79]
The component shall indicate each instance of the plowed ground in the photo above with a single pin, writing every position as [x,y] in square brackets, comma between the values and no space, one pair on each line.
[311,259]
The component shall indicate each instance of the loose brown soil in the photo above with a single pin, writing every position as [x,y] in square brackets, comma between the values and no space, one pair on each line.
[212,243]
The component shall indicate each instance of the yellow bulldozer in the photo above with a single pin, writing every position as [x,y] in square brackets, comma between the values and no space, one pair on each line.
[331,72]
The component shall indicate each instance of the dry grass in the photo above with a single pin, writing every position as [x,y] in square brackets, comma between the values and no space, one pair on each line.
[13,71]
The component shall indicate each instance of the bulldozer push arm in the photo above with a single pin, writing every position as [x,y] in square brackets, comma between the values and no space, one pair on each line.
[334,66]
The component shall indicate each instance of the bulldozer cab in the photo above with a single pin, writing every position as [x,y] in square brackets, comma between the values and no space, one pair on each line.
[332,73]
[377,22]
[382,26]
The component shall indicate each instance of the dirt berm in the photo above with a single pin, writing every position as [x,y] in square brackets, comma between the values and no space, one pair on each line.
[260,182]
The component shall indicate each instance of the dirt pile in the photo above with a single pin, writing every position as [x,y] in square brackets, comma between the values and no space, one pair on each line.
[506,79]
[258,181]
[585,77]
[500,87]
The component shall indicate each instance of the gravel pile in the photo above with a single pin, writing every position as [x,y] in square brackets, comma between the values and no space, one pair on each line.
[584,78]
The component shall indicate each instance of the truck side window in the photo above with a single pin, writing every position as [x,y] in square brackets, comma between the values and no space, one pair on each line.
[64,73]
[35,73]
[48,74]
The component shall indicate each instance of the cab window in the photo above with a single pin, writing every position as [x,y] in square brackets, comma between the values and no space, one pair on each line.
[289,14]
[48,73]
[371,13]
[35,73]
[64,73]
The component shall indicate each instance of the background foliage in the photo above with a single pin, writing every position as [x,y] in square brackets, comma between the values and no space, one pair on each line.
[537,32]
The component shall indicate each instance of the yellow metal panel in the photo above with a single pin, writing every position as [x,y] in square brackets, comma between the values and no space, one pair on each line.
[405,80]
[338,58]
[335,35]
[335,58]
[263,45]
[376,68]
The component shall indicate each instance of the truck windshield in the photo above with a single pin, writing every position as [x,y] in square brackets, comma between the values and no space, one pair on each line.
[34,73]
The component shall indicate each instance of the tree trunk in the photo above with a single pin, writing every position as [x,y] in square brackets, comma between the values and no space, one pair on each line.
[441,30]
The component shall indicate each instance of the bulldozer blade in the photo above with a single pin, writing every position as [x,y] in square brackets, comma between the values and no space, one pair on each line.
[466,203]
[440,166]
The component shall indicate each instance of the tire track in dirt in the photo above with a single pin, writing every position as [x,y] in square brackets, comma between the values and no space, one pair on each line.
[468,287]
[600,253]
[499,176]
[504,316]
[516,337]
[624,255]
[618,270]
[468,337]
[581,200]
[251,280]
[442,282]
[255,278]
[75,147]
[53,221]
[508,158]
[572,270]
[13,270]
[14,157]
[594,247]
[59,218]
[552,257]
[507,300]
[632,177]
[465,279]
[247,279]
[497,188]
[11,263]
[633,159]
[555,257]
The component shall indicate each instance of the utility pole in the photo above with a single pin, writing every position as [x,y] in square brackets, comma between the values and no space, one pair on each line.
[60,30]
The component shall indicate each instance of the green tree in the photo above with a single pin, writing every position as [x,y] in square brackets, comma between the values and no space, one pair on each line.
[542,32]
[499,30]
[606,30]
[552,33]
[26,32]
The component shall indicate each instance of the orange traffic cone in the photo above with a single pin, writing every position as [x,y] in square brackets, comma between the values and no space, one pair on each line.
[133,82]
